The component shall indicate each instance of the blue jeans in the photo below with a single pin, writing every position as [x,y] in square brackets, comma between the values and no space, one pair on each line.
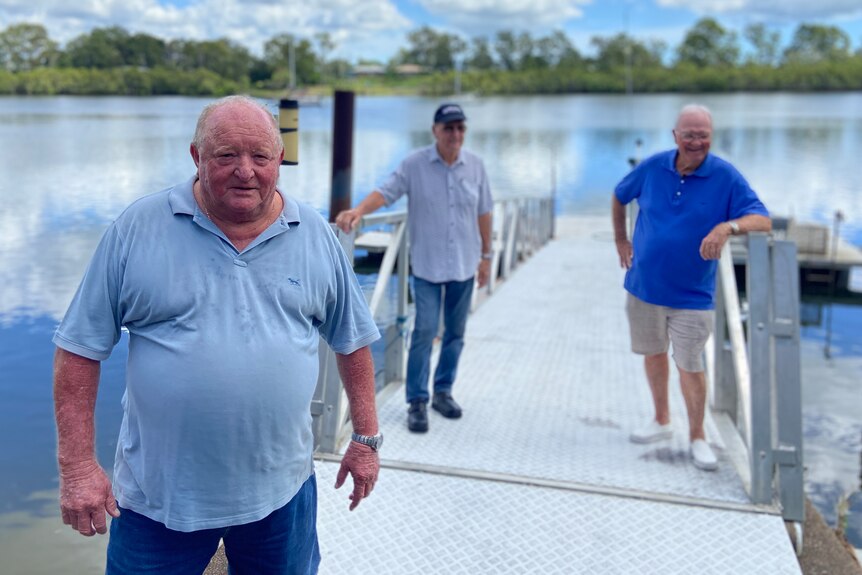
[455,298]
[284,542]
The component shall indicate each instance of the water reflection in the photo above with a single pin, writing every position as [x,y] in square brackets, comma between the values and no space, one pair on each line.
[72,164]
[832,403]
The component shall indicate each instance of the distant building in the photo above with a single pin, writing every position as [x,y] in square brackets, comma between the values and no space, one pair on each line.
[409,69]
[369,70]
[380,70]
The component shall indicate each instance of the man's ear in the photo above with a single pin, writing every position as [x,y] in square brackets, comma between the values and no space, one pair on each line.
[195,154]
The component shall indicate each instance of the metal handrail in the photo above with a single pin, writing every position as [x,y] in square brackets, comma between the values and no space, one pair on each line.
[757,378]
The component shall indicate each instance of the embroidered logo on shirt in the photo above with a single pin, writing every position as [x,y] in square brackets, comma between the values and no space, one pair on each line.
[294,282]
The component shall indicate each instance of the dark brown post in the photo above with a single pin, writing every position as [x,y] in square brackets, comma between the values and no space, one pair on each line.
[342,153]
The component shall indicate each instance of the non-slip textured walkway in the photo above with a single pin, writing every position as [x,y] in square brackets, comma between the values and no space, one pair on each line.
[539,475]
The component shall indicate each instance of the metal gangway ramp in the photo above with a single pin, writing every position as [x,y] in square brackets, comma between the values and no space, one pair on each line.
[539,476]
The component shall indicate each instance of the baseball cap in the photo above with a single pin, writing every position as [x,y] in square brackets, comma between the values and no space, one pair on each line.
[449,113]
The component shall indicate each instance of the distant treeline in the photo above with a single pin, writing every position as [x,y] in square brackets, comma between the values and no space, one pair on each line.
[710,58]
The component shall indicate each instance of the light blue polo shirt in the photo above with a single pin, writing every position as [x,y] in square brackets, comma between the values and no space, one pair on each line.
[443,206]
[675,214]
[223,356]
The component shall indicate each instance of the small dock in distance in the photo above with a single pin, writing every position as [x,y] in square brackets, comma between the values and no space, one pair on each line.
[829,266]
[539,475]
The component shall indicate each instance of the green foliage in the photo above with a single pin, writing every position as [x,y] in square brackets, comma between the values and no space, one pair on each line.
[222,57]
[113,61]
[814,43]
[123,81]
[432,50]
[622,50]
[26,46]
[101,48]
[823,76]
[764,42]
[480,58]
[8,82]
[708,44]
[277,55]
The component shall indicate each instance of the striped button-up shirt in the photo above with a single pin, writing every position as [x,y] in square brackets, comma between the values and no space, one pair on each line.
[444,204]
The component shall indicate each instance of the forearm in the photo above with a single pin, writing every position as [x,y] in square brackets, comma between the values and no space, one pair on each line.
[76,383]
[754,223]
[357,375]
[618,217]
[485,227]
[372,202]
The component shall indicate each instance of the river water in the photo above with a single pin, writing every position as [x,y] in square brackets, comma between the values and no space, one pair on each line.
[70,165]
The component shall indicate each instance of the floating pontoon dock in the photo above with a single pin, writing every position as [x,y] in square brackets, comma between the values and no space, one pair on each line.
[539,475]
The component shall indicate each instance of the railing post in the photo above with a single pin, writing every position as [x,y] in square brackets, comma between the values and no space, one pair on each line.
[758,280]
[725,397]
[497,242]
[396,340]
[327,404]
[785,331]
[510,236]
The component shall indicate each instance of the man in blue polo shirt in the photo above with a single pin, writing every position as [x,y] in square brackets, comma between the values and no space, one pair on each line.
[690,203]
[224,285]
[449,210]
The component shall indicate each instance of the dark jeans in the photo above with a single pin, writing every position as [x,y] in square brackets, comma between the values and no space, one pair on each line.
[284,542]
[455,299]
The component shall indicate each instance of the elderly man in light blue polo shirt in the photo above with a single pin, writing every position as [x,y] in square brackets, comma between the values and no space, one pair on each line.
[449,216]
[224,285]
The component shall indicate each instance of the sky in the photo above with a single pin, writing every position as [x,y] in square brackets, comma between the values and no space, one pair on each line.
[376,29]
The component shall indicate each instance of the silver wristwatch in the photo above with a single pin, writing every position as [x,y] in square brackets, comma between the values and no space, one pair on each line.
[372,441]
[734,228]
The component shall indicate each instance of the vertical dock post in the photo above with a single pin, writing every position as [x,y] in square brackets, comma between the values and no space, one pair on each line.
[758,280]
[788,383]
[288,124]
[342,153]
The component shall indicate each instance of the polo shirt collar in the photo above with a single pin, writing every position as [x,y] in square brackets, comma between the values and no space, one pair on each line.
[182,201]
[704,170]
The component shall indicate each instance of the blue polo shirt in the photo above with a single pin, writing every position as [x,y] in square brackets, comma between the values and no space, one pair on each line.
[223,356]
[443,207]
[675,214]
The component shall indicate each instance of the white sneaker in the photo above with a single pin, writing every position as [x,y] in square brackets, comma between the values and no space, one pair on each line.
[653,431]
[702,455]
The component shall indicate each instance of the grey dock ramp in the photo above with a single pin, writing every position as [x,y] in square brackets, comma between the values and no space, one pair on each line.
[539,475]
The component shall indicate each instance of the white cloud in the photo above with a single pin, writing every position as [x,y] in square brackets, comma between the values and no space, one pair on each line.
[374,25]
[772,10]
[476,17]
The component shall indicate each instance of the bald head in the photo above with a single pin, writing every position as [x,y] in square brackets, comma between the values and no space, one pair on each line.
[693,137]
[694,110]
[203,130]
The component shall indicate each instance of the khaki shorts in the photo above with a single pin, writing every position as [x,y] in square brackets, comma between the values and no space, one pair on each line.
[654,327]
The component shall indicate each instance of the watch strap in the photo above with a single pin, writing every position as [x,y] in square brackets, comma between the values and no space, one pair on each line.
[372,441]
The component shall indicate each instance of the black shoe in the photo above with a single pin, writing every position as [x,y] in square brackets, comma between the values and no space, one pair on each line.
[447,407]
[417,417]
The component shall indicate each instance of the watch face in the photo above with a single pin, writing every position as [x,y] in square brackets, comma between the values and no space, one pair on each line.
[372,441]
